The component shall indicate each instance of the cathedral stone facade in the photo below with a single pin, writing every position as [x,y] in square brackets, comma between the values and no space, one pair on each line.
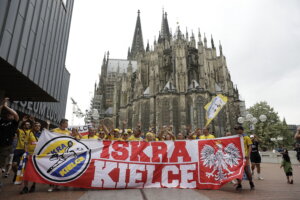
[168,83]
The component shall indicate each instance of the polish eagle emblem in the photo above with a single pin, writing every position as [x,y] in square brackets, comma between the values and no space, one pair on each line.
[220,160]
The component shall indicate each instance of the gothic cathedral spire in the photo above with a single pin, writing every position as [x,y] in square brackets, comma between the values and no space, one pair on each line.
[137,43]
[165,31]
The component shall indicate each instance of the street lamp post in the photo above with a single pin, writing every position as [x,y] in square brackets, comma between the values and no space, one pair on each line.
[252,120]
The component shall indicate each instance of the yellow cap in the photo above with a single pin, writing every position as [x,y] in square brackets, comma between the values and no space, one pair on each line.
[149,133]
[117,130]
[129,130]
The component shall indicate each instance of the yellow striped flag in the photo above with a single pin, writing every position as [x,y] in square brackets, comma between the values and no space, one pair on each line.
[214,107]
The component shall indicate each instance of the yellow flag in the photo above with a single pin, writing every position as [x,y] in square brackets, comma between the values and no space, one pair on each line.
[214,107]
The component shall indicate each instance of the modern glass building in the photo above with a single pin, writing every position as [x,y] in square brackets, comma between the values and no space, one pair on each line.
[33,45]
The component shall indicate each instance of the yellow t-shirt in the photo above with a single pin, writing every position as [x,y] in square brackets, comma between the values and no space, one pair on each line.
[61,131]
[31,141]
[77,137]
[109,137]
[87,137]
[203,137]
[22,134]
[247,143]
[121,139]
[133,138]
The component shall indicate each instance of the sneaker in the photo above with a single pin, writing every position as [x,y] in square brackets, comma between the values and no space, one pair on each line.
[260,178]
[24,191]
[292,182]
[50,189]
[32,189]
[239,187]
[252,187]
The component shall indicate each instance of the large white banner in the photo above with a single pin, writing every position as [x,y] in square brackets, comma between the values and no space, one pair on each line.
[202,164]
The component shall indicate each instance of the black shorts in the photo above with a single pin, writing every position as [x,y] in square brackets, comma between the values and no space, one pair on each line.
[289,173]
[18,153]
[255,158]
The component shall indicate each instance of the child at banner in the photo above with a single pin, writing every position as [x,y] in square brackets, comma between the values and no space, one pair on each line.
[30,144]
[247,150]
[287,166]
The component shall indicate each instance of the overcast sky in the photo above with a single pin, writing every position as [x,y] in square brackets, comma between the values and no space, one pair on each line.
[260,39]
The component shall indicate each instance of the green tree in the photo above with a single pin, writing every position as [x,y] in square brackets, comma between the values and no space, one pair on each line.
[273,127]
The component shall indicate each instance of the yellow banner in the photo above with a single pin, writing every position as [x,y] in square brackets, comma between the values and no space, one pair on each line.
[214,107]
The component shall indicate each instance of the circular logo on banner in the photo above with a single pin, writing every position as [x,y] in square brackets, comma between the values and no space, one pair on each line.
[62,159]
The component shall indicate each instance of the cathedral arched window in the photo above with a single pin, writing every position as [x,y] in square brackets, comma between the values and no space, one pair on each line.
[129,118]
[200,103]
[165,111]
[176,115]
[189,111]
[145,116]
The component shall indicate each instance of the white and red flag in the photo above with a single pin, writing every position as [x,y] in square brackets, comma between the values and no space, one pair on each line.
[199,164]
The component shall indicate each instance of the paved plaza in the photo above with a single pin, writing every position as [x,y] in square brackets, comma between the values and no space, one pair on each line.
[273,187]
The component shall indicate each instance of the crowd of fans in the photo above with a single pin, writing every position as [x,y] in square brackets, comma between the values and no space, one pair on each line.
[21,136]
[123,134]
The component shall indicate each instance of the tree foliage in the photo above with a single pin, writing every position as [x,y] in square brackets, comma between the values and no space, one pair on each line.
[273,127]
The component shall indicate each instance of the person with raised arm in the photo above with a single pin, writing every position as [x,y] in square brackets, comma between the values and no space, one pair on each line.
[8,127]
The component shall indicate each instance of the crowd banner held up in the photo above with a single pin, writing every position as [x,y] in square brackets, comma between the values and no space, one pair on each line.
[199,164]
[214,107]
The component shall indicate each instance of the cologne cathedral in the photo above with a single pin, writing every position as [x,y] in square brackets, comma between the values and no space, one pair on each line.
[168,83]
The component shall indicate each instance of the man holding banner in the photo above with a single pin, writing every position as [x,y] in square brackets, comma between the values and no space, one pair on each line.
[247,150]
[206,134]
[30,144]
